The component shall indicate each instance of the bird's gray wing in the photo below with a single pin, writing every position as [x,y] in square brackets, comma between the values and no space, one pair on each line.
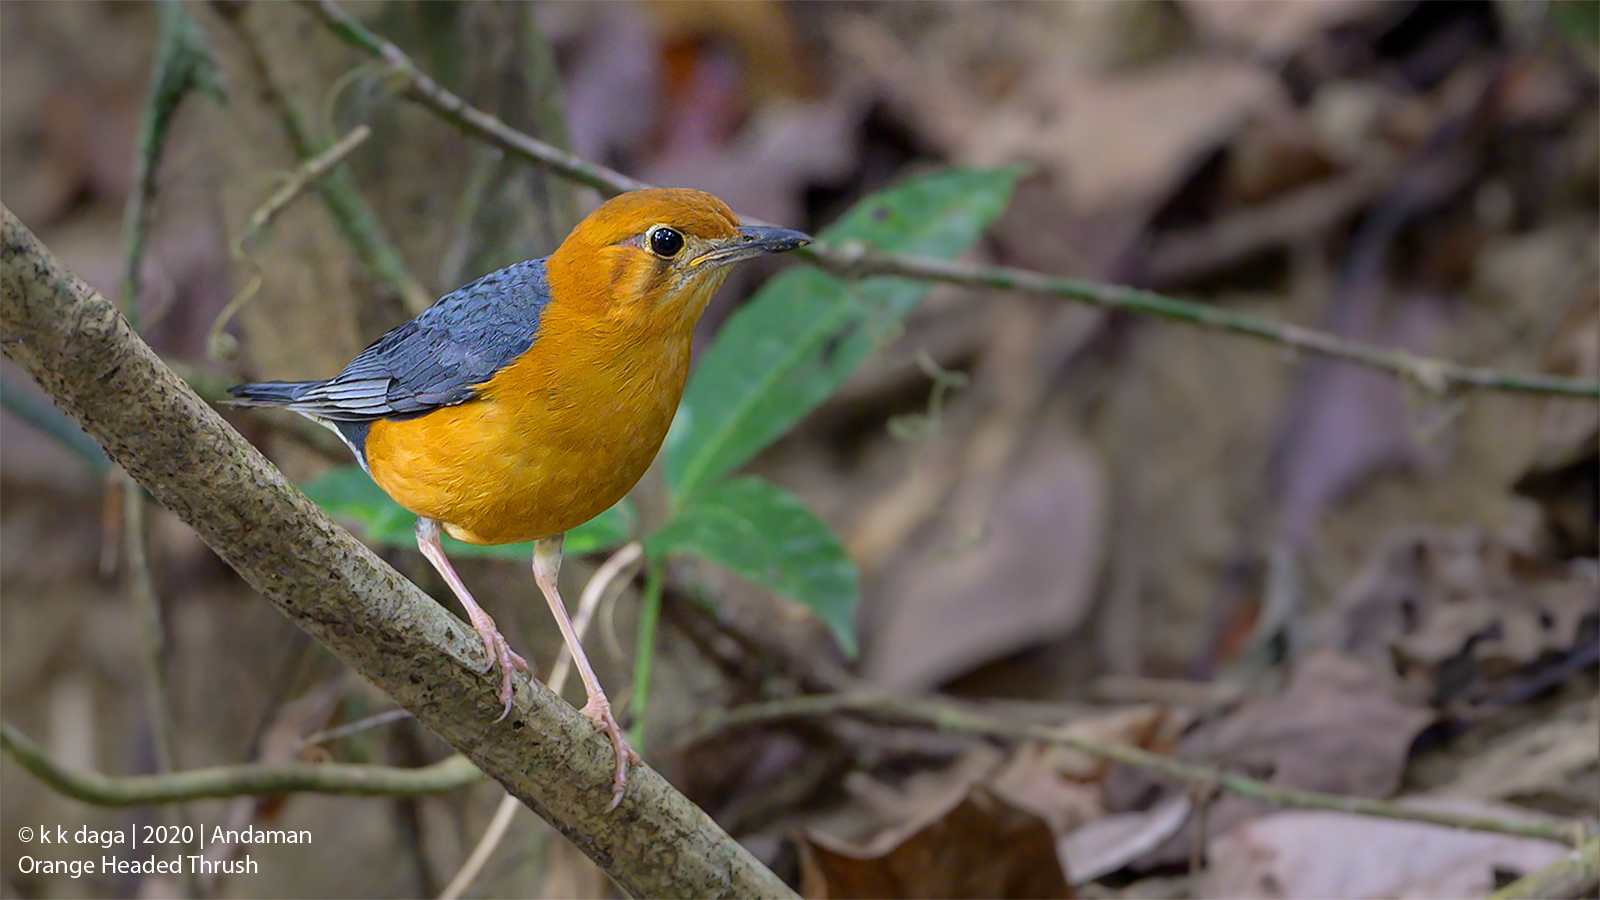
[438,358]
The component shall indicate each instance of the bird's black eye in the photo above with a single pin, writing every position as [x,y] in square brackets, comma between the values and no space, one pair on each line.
[665,242]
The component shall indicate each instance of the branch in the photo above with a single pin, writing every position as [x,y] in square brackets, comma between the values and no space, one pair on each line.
[354,218]
[183,62]
[234,781]
[1575,875]
[306,174]
[946,716]
[1435,375]
[76,345]
[458,112]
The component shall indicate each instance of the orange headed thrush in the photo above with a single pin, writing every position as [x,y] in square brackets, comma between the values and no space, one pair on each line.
[529,401]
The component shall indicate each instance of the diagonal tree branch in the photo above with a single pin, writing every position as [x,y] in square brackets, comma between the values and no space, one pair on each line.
[1435,375]
[76,345]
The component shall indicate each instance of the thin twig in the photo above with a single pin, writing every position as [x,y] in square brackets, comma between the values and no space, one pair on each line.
[182,63]
[307,174]
[1575,875]
[1434,375]
[855,261]
[349,728]
[235,781]
[599,585]
[948,717]
[465,116]
[350,211]
[147,606]
[498,825]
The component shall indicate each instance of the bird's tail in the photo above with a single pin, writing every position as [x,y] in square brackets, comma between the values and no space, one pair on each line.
[269,393]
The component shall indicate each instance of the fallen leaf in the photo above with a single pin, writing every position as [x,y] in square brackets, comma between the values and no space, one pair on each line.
[1106,845]
[1035,783]
[1457,616]
[1274,29]
[1349,422]
[1542,766]
[1040,780]
[1562,476]
[1128,139]
[1335,729]
[1029,578]
[1339,855]
[980,846]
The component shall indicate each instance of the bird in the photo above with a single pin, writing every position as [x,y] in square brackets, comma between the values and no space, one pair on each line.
[525,403]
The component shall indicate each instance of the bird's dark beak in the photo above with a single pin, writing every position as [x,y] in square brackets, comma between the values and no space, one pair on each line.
[752,241]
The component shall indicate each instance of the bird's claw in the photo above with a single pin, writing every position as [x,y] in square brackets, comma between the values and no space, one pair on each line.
[598,711]
[501,654]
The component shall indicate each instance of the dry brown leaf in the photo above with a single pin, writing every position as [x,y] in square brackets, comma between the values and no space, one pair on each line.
[1334,729]
[1562,477]
[1126,140]
[1274,29]
[1351,422]
[1029,579]
[1047,785]
[1106,845]
[1039,779]
[1338,855]
[1546,763]
[1108,140]
[1457,616]
[980,846]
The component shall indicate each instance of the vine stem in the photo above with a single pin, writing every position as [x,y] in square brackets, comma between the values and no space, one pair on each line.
[1575,875]
[234,781]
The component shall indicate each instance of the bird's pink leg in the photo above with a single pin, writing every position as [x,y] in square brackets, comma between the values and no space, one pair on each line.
[493,641]
[546,566]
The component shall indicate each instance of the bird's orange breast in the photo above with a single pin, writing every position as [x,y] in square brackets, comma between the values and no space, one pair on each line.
[553,439]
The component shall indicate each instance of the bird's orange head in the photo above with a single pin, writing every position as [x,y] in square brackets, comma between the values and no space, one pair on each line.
[656,256]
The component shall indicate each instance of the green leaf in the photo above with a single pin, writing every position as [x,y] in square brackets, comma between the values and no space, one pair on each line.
[765,533]
[1578,21]
[348,494]
[802,335]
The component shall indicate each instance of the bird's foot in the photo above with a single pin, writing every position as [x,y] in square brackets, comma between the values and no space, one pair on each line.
[501,654]
[598,711]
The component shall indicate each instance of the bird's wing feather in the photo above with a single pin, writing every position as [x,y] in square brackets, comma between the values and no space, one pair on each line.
[440,357]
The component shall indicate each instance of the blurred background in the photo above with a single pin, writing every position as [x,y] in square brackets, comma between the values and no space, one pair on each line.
[1312,573]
